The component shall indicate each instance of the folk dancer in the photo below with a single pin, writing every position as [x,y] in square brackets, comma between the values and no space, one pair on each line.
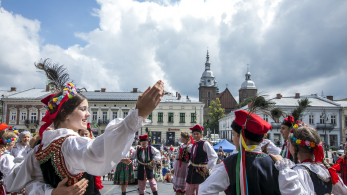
[203,157]
[146,156]
[249,171]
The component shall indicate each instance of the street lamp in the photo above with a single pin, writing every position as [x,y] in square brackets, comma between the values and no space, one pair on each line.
[195,116]
[326,120]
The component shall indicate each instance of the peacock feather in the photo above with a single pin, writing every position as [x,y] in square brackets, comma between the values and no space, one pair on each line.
[56,74]
[298,111]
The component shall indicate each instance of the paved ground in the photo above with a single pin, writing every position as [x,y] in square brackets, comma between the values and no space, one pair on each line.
[163,189]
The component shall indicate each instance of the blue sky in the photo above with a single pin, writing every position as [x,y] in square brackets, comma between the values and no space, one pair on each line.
[60,20]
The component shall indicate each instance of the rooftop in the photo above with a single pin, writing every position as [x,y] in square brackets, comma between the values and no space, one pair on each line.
[38,94]
[291,101]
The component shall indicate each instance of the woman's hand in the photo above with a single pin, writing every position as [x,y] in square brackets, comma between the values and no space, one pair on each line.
[149,100]
[276,157]
[78,188]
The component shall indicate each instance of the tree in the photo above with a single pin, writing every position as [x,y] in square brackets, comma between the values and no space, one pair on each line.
[216,112]
[245,102]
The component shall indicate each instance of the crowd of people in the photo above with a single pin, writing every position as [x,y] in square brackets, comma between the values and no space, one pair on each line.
[65,158]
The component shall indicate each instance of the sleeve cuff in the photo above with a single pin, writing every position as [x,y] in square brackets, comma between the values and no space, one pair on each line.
[49,191]
[283,164]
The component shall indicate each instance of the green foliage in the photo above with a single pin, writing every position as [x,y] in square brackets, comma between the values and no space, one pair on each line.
[245,102]
[216,112]
[298,111]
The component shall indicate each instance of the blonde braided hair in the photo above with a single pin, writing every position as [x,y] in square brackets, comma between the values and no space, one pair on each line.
[5,135]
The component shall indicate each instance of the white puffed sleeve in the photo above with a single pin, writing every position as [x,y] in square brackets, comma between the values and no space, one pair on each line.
[100,155]
[217,182]
[211,154]
[293,181]
[156,154]
[273,149]
[6,164]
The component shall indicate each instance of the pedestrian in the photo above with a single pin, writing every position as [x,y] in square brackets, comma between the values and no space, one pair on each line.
[171,148]
[181,162]
[124,173]
[342,162]
[335,157]
[146,156]
[248,170]
[76,157]
[7,140]
[162,148]
[166,165]
[287,124]
[203,157]
[168,177]
[311,175]
[21,148]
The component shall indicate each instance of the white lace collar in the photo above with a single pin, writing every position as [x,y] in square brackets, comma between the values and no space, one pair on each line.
[318,169]
[51,135]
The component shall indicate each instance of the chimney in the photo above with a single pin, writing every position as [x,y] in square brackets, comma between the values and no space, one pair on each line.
[249,104]
[187,98]
[13,88]
[330,97]
[134,90]
[103,89]
[279,96]
[176,93]
[179,96]
[297,95]
[47,88]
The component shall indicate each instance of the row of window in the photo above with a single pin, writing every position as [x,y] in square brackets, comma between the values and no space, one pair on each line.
[322,120]
[23,116]
[104,115]
[171,117]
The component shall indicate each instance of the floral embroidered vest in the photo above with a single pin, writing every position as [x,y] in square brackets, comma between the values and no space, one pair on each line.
[54,170]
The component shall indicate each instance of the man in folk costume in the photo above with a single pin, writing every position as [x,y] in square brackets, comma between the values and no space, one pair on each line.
[202,158]
[287,125]
[146,156]
[250,171]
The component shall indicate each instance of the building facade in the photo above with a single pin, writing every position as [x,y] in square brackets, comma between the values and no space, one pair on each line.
[343,119]
[24,109]
[323,115]
[4,94]
[173,114]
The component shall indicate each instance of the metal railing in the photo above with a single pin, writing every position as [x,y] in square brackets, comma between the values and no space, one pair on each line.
[32,122]
[103,121]
[325,126]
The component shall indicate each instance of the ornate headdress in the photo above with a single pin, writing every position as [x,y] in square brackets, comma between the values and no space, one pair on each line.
[4,127]
[69,92]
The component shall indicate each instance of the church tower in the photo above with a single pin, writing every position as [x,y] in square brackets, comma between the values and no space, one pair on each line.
[208,88]
[248,88]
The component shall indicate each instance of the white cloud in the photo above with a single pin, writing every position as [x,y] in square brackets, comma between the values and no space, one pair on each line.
[288,45]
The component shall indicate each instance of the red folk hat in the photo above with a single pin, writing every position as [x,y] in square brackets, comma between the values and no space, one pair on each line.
[3,126]
[143,137]
[288,121]
[255,124]
[197,128]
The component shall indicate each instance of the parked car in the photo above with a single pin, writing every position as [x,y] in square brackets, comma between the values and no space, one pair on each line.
[340,152]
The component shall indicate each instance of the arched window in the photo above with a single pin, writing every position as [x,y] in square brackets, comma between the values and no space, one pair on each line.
[208,94]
